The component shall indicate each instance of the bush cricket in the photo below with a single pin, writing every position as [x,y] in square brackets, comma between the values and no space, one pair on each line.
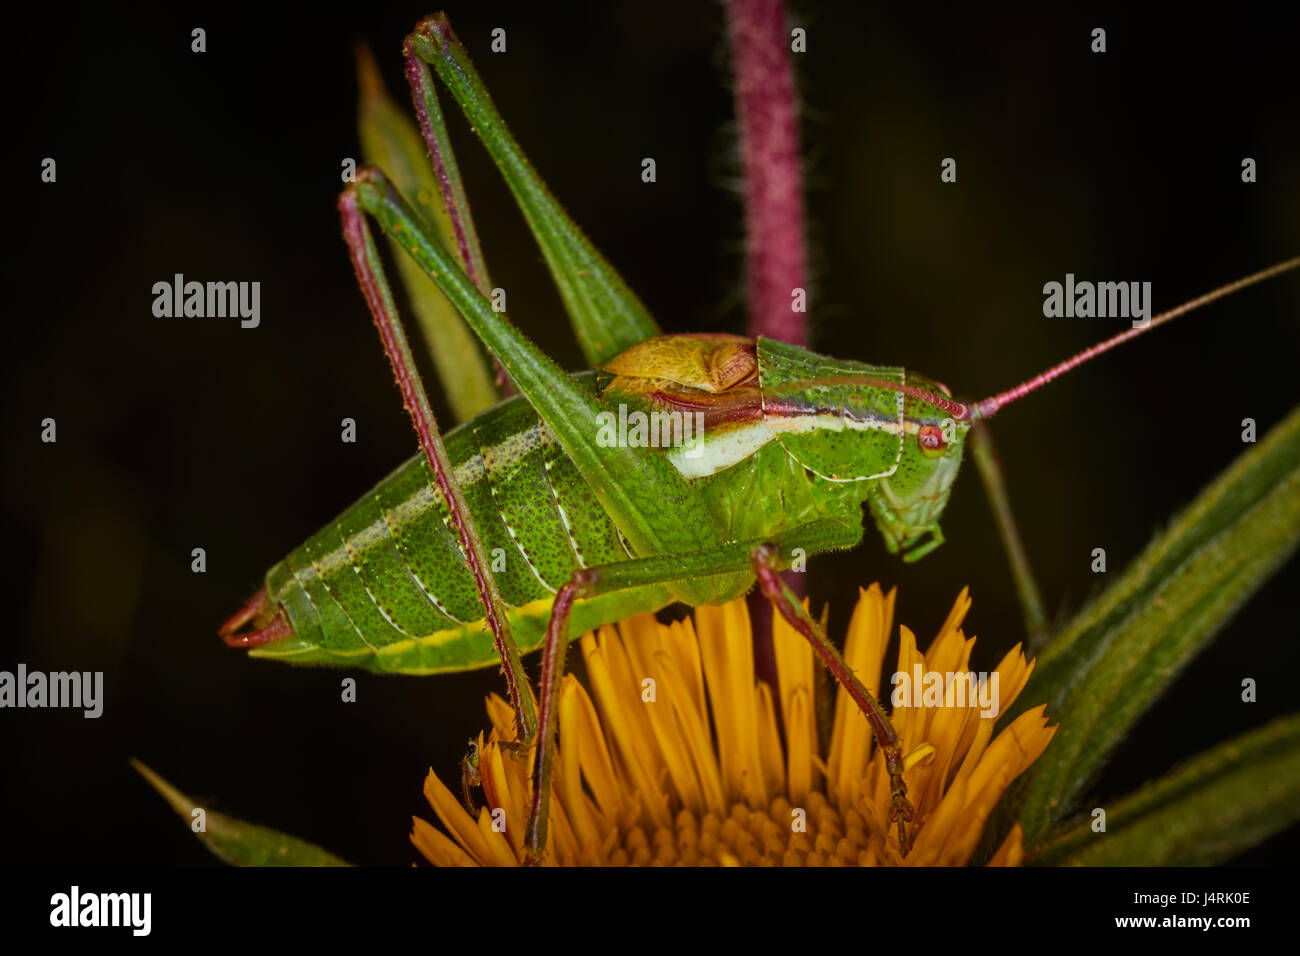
[683,468]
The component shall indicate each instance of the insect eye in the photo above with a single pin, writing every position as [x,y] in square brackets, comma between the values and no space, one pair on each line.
[931,440]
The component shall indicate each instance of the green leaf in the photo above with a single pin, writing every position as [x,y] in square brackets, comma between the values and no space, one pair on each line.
[1109,664]
[236,842]
[390,140]
[607,316]
[1222,802]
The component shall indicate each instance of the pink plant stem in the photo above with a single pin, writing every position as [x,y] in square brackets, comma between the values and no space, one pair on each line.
[769,152]
[774,227]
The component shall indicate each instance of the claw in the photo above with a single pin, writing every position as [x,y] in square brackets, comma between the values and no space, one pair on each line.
[901,813]
[900,808]
[518,749]
[470,779]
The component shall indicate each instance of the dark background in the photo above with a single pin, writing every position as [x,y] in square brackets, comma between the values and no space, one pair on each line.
[183,433]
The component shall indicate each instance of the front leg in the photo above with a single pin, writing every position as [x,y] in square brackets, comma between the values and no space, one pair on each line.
[766,563]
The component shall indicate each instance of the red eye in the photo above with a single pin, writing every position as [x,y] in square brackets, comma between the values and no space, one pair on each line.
[931,440]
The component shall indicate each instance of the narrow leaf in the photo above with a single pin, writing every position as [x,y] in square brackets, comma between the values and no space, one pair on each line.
[1107,667]
[236,842]
[390,140]
[607,316]
[1224,801]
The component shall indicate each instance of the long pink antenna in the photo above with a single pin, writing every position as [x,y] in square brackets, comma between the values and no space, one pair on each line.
[991,405]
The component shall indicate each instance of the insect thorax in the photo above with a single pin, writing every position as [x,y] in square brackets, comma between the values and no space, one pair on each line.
[792,433]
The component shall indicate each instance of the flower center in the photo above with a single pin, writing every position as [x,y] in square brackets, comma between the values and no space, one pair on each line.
[781,835]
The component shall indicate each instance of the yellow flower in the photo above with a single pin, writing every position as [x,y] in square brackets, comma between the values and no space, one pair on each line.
[674,755]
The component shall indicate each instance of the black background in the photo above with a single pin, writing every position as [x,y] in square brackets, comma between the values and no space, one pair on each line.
[183,433]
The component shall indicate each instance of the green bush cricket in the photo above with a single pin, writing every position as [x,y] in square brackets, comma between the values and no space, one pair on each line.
[683,468]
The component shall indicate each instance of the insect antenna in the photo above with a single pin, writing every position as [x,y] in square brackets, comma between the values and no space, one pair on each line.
[989,406]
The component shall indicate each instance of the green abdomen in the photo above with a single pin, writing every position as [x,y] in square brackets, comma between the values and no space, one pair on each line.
[387,586]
